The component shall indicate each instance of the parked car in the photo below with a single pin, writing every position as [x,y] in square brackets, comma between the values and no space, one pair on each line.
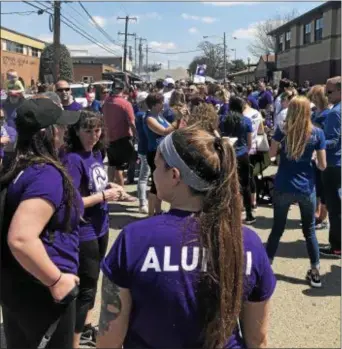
[79,91]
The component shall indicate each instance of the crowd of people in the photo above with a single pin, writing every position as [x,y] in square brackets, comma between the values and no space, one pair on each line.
[200,148]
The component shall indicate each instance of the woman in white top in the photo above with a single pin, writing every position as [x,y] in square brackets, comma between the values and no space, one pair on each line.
[285,99]
[254,157]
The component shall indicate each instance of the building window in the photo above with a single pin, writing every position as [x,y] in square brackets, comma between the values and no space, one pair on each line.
[319,29]
[287,40]
[280,43]
[14,47]
[3,45]
[35,52]
[307,33]
[87,79]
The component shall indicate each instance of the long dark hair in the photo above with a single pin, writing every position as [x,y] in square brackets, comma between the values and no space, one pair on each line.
[220,232]
[232,123]
[88,120]
[39,149]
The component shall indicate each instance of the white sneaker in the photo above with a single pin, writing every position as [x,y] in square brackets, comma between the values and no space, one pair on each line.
[143,209]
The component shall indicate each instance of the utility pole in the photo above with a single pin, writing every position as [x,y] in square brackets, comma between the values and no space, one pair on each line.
[146,58]
[135,53]
[56,38]
[168,65]
[225,57]
[127,19]
[141,54]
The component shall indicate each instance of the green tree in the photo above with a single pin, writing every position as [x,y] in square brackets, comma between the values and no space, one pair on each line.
[237,65]
[47,60]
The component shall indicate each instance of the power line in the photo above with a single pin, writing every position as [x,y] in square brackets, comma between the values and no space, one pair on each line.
[79,31]
[102,31]
[23,13]
[175,53]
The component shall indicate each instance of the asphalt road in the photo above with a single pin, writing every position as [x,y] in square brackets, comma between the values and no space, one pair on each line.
[301,317]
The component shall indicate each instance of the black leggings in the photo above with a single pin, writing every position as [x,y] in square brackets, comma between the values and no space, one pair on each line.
[150,160]
[91,255]
[244,178]
[29,314]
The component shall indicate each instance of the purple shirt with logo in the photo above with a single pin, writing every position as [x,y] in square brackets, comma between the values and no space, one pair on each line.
[74,106]
[46,182]
[158,260]
[89,177]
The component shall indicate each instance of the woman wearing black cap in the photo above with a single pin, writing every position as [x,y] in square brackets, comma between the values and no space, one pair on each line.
[39,239]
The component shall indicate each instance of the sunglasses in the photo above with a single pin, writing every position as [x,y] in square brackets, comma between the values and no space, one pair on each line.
[329,92]
[67,89]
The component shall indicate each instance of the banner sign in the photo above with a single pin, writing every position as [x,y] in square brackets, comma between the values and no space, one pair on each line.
[199,77]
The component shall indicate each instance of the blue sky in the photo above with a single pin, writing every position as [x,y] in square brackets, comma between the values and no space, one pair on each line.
[168,26]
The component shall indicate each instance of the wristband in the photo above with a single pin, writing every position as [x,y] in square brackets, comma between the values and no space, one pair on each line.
[103,196]
[55,283]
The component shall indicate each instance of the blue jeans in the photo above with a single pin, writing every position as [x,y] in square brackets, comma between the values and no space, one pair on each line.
[307,206]
[143,178]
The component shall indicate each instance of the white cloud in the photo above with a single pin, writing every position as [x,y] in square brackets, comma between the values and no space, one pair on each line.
[205,19]
[94,50]
[193,30]
[147,16]
[162,46]
[246,33]
[231,3]
[101,21]
[46,37]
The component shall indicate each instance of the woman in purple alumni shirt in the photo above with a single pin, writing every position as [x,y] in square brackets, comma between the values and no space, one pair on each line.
[192,277]
[39,240]
[84,162]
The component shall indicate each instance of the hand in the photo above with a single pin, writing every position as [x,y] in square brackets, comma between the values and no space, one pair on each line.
[4,140]
[113,194]
[115,186]
[66,283]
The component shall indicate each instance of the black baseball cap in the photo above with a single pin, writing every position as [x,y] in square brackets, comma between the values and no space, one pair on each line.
[38,113]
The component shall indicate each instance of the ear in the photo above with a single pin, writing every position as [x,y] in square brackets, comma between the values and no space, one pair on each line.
[176,174]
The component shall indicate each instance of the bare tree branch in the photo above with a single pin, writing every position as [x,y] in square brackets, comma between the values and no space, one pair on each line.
[264,43]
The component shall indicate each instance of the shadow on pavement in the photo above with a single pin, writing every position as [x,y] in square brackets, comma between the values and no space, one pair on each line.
[331,283]
[265,223]
[119,221]
[293,249]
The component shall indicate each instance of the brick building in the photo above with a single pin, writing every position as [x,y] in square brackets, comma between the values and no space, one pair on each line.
[22,53]
[90,72]
[309,46]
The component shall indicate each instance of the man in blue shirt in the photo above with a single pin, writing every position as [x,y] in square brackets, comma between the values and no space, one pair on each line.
[332,174]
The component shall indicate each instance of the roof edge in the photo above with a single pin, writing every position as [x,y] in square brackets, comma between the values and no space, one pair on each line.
[297,19]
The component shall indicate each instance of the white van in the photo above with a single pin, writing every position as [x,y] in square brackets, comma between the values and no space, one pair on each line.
[79,91]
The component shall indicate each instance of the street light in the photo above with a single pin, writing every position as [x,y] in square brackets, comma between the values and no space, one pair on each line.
[224,52]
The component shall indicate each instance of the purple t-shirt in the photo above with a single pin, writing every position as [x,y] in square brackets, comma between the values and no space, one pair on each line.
[74,106]
[158,260]
[46,182]
[89,177]
[264,99]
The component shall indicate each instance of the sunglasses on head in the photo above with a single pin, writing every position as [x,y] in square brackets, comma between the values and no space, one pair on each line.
[67,89]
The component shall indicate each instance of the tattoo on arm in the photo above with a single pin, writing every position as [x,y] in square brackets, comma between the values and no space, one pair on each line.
[110,305]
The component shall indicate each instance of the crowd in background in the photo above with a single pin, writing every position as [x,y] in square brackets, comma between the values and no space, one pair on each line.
[203,149]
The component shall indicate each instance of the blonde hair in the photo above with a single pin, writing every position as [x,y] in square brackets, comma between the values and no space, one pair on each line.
[223,95]
[205,116]
[297,127]
[177,98]
[317,96]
